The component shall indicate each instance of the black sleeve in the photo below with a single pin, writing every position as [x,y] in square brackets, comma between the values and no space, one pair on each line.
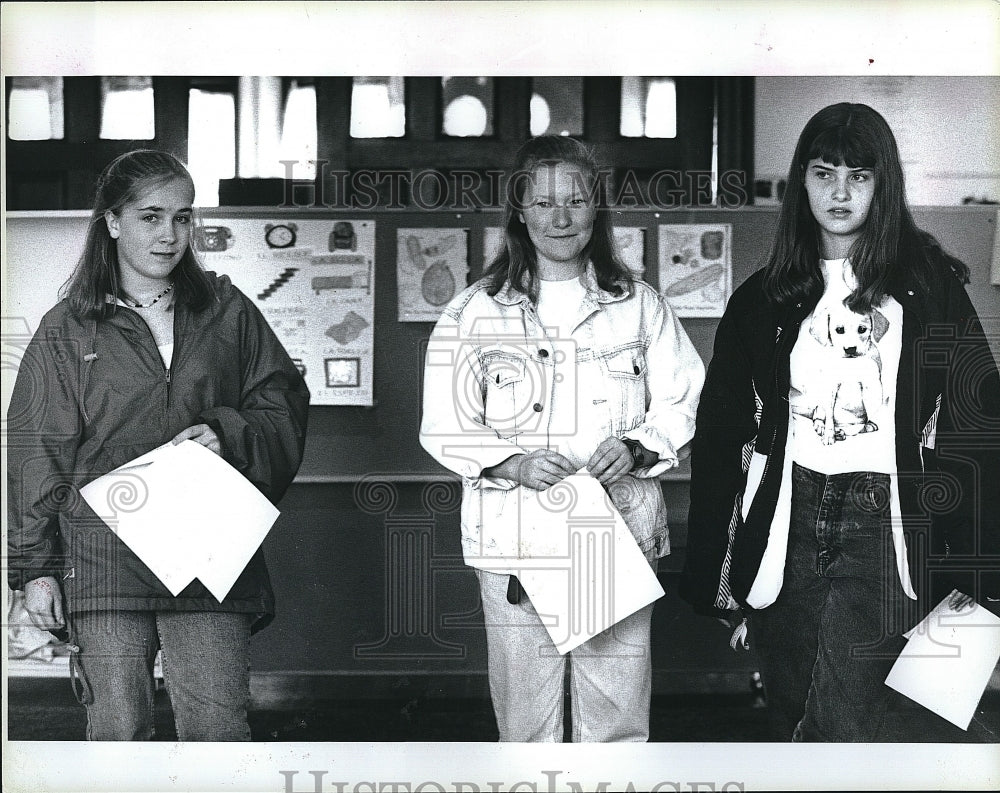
[725,423]
[967,452]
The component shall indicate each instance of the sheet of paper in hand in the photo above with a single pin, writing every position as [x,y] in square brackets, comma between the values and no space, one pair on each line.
[186,513]
[582,568]
[948,660]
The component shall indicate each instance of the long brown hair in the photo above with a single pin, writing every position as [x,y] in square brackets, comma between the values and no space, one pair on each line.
[516,260]
[97,275]
[858,136]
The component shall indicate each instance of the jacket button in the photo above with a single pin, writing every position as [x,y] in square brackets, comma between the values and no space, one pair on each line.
[537,407]
[635,369]
[543,353]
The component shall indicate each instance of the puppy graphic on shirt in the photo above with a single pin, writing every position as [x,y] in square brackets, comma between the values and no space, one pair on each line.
[848,385]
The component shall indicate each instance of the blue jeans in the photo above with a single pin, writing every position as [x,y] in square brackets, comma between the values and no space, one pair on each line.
[827,643]
[206,669]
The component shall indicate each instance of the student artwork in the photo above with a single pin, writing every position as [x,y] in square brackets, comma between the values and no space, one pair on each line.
[211,238]
[314,281]
[431,267]
[348,329]
[631,244]
[696,275]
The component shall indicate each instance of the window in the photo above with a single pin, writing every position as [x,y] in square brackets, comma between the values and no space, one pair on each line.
[35,108]
[378,107]
[556,106]
[211,142]
[127,108]
[467,106]
[649,107]
[298,130]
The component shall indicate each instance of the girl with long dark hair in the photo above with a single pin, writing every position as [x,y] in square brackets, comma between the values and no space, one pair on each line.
[851,381]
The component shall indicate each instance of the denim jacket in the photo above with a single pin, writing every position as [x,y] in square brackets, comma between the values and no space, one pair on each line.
[489,379]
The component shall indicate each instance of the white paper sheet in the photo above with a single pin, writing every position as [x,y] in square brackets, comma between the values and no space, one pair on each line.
[947,661]
[584,571]
[186,513]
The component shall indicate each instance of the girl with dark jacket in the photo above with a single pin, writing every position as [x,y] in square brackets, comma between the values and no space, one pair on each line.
[845,460]
[145,348]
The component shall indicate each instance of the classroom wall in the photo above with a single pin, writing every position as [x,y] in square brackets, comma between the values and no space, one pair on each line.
[947,128]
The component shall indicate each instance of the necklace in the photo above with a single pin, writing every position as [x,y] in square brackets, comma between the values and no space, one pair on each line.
[128,301]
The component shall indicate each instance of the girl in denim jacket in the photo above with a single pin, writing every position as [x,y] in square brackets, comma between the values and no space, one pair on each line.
[555,361]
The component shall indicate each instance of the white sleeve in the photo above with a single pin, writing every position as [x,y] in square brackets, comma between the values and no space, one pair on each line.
[453,429]
[675,375]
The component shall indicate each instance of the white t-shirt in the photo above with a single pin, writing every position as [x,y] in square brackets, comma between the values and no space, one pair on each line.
[843,382]
[559,305]
[558,310]
[842,400]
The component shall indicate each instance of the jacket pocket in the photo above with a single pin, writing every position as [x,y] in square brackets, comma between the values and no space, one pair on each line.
[624,372]
[508,403]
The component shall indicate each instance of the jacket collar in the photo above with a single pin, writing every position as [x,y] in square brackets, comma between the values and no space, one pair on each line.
[509,295]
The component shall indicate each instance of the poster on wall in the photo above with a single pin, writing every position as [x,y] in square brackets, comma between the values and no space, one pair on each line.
[696,273]
[631,242]
[314,282]
[432,266]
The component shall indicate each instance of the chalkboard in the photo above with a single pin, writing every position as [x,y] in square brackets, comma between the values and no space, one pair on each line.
[348,442]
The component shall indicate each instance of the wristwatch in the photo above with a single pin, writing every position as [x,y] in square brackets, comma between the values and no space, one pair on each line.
[636,450]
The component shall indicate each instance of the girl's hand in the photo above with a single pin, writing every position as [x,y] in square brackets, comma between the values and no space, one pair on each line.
[200,433]
[610,461]
[958,601]
[541,469]
[43,602]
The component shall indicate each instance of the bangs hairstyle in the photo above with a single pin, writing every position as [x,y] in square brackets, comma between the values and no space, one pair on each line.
[890,244]
[516,261]
[94,288]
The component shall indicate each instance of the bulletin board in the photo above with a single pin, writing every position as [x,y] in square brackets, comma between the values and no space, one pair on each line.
[358,310]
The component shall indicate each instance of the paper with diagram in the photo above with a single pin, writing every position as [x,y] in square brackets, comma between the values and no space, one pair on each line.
[948,660]
[582,567]
[186,513]
[696,273]
[313,279]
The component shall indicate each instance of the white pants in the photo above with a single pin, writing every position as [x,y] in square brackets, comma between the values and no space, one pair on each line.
[610,675]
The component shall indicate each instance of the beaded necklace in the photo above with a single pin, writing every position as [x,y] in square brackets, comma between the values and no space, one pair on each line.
[128,301]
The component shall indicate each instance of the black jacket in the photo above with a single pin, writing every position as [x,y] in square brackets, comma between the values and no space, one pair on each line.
[949,496]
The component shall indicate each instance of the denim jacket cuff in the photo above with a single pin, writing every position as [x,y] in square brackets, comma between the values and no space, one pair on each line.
[655,442]
[491,483]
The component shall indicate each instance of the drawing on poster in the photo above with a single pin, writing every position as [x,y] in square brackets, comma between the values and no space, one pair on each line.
[283,278]
[630,240]
[631,243]
[696,274]
[432,266]
[343,372]
[348,329]
[314,281]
